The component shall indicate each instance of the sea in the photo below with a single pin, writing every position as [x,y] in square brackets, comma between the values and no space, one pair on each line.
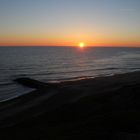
[57,64]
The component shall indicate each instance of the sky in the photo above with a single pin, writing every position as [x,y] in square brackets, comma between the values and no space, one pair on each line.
[67,22]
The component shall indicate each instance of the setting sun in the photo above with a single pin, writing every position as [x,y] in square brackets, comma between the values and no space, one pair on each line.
[81,45]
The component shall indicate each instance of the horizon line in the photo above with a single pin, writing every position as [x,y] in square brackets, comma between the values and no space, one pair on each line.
[66,46]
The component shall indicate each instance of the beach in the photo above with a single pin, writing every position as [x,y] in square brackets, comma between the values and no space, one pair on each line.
[70,70]
[97,108]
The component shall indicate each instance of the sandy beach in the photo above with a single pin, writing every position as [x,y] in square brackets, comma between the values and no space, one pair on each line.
[99,108]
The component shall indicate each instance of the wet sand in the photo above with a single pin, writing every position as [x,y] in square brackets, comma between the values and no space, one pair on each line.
[99,108]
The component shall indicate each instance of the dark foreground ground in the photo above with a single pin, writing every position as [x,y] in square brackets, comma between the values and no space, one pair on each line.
[104,108]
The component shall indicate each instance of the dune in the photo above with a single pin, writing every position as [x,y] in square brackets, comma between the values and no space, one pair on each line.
[98,108]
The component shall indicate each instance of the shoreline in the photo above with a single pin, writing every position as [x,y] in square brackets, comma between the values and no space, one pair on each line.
[102,105]
[74,79]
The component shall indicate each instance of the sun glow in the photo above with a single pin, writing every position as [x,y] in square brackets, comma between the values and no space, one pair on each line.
[81,45]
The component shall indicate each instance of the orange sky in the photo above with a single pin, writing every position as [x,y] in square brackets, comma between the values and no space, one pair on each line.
[68,41]
[66,23]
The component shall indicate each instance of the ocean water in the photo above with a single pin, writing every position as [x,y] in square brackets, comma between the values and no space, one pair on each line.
[56,64]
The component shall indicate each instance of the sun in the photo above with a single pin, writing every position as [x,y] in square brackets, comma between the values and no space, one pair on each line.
[81,45]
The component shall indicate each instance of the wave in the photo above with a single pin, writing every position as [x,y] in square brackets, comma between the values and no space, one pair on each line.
[75,71]
[6,83]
